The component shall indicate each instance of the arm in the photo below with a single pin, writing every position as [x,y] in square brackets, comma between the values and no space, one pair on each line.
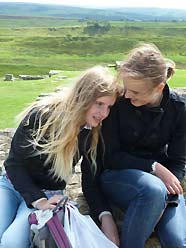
[16,163]
[91,190]
[176,151]
[89,179]
[97,202]
[109,228]
[176,154]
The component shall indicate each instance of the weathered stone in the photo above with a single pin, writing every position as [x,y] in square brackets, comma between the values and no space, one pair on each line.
[116,66]
[32,77]
[9,77]
[180,90]
[52,29]
[54,72]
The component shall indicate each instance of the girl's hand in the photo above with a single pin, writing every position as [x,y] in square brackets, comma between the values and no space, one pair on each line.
[44,203]
[109,228]
[170,180]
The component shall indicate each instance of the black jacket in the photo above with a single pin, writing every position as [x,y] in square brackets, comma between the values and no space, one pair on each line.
[135,137]
[29,175]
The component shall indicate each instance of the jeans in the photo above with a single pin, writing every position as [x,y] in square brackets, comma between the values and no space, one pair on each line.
[143,197]
[14,226]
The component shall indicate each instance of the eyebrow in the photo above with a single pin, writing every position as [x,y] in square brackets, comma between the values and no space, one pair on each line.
[136,92]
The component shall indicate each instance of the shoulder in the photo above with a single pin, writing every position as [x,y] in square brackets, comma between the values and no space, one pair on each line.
[177,106]
[177,98]
[34,119]
[30,118]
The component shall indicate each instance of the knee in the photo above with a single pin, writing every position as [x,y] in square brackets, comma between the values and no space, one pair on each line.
[155,190]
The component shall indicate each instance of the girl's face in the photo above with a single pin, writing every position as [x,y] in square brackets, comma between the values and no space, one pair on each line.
[99,110]
[142,92]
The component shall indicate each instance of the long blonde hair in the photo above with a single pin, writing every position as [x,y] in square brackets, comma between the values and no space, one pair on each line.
[61,116]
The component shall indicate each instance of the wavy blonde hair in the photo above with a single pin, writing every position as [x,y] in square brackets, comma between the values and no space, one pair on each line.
[61,116]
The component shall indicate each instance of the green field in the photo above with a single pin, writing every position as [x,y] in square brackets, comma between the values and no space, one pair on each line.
[33,45]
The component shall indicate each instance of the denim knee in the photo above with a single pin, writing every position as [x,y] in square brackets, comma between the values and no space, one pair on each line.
[154,191]
[138,184]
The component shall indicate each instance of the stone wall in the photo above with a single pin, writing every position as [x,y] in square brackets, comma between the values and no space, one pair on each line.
[5,139]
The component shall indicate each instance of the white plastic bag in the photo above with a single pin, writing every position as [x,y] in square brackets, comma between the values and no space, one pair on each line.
[82,230]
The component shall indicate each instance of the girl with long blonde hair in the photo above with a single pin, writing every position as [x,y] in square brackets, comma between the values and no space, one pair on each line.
[54,132]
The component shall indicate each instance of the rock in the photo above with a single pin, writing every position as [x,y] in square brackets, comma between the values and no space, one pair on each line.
[116,66]
[54,72]
[9,77]
[32,77]
[181,91]
[5,140]
[52,29]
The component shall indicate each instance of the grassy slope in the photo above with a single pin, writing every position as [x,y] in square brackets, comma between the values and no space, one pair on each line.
[36,45]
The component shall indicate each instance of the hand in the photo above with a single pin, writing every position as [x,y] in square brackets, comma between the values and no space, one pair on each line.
[109,228]
[49,203]
[170,180]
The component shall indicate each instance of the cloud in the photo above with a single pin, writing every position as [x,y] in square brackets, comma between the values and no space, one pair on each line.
[112,3]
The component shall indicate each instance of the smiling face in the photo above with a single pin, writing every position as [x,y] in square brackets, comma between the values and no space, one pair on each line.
[99,110]
[141,92]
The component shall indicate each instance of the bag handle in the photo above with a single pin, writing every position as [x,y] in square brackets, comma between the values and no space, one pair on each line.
[60,204]
[55,226]
[58,233]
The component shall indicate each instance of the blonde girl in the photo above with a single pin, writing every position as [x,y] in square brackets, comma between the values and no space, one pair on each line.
[53,134]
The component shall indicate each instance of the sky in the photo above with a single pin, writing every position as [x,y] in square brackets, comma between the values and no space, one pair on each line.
[176,4]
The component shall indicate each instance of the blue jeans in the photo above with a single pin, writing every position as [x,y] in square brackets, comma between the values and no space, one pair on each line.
[14,226]
[143,197]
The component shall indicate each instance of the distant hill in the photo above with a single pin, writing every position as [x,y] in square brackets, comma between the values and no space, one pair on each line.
[69,12]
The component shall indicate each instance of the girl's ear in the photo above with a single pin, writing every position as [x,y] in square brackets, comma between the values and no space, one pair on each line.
[161,86]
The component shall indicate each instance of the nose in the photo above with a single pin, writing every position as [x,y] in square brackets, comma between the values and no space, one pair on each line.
[128,94]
